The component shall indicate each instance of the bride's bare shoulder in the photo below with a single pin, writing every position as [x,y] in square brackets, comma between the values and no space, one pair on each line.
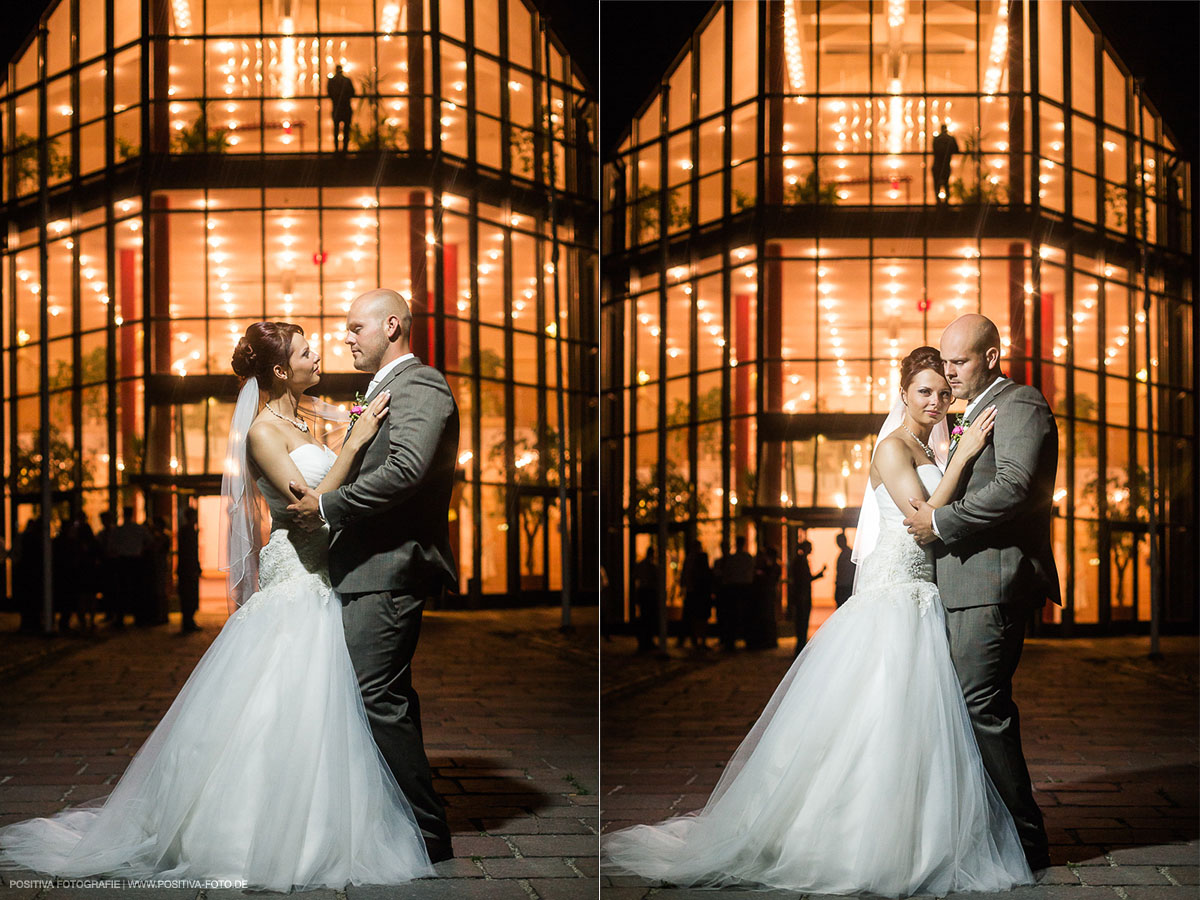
[892,450]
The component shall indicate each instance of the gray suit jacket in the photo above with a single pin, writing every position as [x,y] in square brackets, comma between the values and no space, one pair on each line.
[390,521]
[995,546]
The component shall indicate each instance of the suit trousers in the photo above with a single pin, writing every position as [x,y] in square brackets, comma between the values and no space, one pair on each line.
[381,635]
[985,645]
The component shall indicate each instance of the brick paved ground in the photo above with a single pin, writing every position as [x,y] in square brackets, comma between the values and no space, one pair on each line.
[1111,740]
[509,710]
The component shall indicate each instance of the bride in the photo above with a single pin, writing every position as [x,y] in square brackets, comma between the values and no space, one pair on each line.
[862,774]
[264,769]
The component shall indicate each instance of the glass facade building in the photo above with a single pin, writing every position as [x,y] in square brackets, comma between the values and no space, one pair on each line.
[169,176]
[774,247]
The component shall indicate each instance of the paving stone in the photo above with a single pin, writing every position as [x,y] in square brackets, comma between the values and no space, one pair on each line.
[566,889]
[528,867]
[1059,875]
[1045,892]
[608,892]
[440,889]
[1185,874]
[1122,875]
[557,845]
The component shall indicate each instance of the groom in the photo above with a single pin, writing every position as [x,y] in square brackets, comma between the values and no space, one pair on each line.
[390,543]
[993,557]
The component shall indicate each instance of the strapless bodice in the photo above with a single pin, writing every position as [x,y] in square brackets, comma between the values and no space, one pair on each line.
[889,513]
[294,552]
[898,561]
[313,461]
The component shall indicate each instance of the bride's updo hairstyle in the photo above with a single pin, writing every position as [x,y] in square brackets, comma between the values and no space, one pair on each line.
[264,346]
[920,359]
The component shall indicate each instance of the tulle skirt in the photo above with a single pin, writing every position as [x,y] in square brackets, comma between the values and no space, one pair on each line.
[862,774]
[263,770]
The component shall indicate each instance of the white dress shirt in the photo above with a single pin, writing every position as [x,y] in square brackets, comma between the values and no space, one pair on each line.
[967,418]
[376,379]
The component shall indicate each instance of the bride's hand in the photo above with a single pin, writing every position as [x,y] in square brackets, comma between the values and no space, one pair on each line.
[371,420]
[976,438]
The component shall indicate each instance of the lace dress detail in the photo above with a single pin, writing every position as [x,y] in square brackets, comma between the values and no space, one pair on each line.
[899,570]
[293,559]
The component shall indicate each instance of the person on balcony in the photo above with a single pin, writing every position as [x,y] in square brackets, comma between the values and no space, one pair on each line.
[944,148]
[341,92]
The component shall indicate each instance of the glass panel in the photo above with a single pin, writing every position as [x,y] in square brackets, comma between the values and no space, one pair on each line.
[679,109]
[235,17]
[712,65]
[1050,50]
[1114,93]
[1083,65]
[58,40]
[850,69]
[487,26]
[950,46]
[745,51]
[898,48]
[520,25]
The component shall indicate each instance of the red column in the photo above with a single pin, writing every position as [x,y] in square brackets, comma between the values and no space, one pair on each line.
[771,309]
[127,350]
[741,396]
[1047,327]
[449,305]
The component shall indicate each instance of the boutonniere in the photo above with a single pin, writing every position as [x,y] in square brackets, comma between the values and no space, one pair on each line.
[961,424]
[358,408]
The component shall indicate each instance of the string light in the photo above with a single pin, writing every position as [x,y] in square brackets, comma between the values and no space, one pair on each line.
[999,51]
[791,46]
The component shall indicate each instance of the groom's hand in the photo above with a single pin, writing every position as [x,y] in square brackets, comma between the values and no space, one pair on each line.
[920,523]
[306,509]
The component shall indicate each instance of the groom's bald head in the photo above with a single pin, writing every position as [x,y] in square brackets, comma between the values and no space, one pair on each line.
[382,304]
[971,348]
[378,328]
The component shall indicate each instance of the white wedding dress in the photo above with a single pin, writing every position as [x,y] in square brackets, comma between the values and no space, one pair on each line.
[264,768]
[862,774]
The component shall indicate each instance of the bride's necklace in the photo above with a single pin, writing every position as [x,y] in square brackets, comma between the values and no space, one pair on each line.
[303,426]
[924,446]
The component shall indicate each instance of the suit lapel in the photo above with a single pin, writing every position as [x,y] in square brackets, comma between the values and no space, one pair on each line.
[994,391]
[403,367]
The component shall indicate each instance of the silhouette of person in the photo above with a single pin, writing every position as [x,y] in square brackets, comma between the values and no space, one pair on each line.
[762,631]
[944,148]
[843,585]
[737,585]
[187,569]
[107,567]
[645,599]
[696,580]
[27,574]
[160,571]
[800,597]
[131,575]
[341,92]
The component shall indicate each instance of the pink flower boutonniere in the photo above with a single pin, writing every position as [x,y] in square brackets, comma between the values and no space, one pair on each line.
[357,409]
[959,429]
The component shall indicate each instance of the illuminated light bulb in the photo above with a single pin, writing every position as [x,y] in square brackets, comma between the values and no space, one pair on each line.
[998,51]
